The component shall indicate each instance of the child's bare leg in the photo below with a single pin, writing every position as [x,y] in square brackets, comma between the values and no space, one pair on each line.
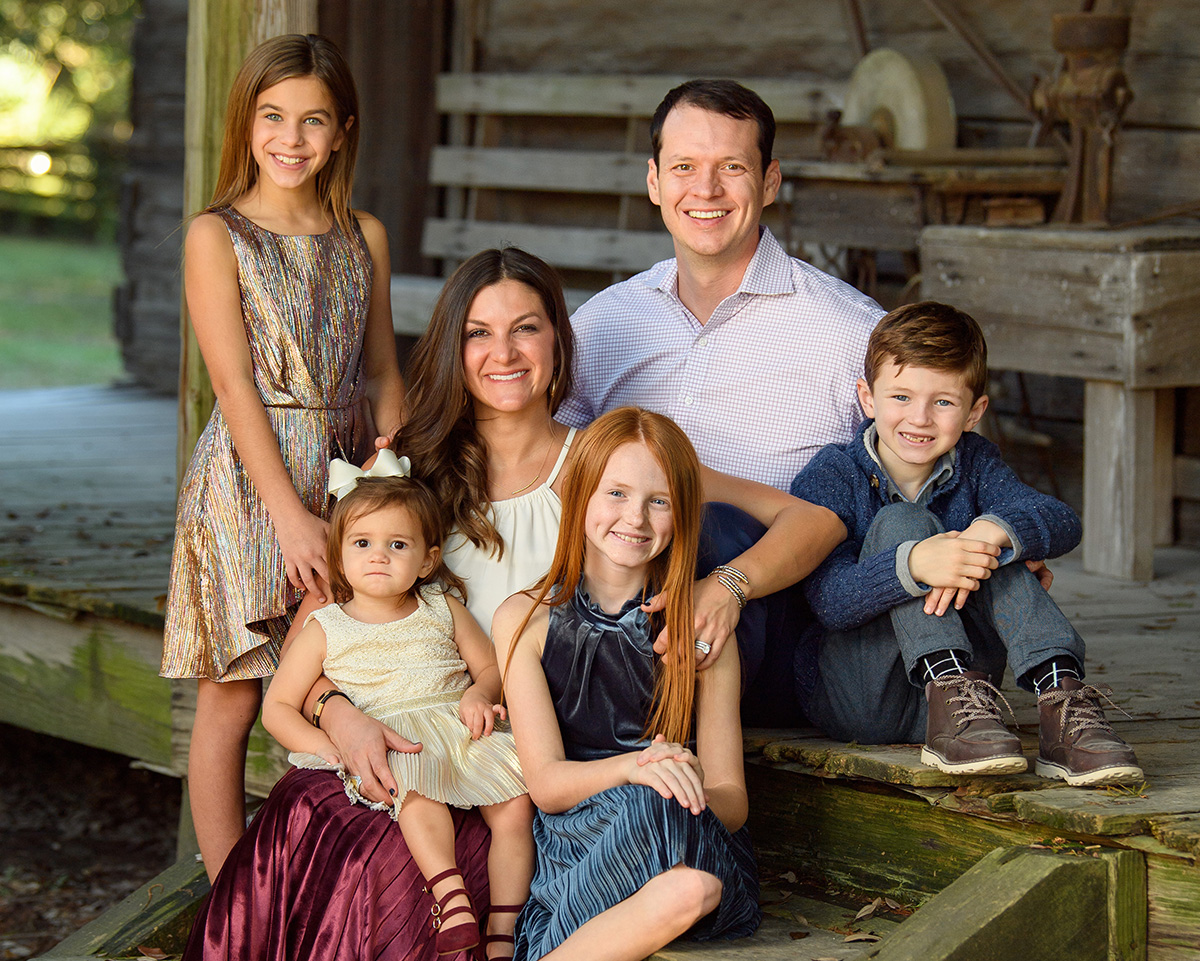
[225,712]
[510,866]
[429,833]
[661,911]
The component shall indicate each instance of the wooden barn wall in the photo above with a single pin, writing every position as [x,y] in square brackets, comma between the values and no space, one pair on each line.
[395,51]
[146,305]
[1157,153]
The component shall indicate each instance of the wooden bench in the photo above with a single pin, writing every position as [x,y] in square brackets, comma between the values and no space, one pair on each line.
[1116,308]
[557,165]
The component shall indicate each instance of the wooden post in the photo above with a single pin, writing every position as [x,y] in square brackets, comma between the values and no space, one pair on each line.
[1118,480]
[220,33]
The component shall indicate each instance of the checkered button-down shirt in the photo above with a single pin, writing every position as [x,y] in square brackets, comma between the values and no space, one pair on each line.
[761,387]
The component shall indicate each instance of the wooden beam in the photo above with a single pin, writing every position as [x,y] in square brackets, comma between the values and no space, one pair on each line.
[558,171]
[582,247]
[159,914]
[1018,903]
[607,95]
[220,34]
[1118,481]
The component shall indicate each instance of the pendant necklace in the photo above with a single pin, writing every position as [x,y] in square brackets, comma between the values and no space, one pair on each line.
[521,490]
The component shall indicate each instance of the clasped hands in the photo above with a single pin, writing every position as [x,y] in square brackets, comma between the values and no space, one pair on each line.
[672,771]
[954,563]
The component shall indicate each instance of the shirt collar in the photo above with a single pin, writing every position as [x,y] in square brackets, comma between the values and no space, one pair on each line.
[769,271]
[943,470]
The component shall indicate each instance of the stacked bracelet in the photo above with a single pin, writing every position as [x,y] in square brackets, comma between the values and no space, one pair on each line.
[729,578]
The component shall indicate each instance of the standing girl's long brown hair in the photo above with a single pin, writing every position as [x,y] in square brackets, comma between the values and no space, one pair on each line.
[671,573]
[278,59]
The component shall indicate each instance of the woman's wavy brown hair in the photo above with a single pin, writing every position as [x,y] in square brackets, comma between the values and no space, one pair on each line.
[439,436]
[278,59]
[671,573]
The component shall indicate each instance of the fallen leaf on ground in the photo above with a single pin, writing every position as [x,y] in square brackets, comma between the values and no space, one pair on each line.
[861,936]
[869,909]
[157,953]
[797,935]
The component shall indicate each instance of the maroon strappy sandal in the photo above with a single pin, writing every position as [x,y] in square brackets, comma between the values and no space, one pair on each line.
[461,937]
[494,938]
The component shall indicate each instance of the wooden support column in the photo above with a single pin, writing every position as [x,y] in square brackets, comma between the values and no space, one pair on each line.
[220,34]
[1118,479]
[1164,467]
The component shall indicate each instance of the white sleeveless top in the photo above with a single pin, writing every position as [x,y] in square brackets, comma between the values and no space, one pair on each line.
[528,525]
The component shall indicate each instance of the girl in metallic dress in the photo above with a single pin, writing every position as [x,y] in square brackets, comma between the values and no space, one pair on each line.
[288,293]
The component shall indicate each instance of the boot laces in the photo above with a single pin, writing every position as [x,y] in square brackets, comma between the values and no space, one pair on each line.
[977,698]
[1081,709]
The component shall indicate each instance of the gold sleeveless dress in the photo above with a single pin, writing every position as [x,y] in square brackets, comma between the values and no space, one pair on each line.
[304,302]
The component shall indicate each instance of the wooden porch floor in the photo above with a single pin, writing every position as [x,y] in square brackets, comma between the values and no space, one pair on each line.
[87,479]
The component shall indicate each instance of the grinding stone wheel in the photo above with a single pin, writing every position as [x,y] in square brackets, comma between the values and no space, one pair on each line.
[905,98]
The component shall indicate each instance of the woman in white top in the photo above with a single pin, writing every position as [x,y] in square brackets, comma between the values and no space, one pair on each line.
[484,382]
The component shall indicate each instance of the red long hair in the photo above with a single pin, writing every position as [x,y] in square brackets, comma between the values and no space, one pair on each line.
[671,573]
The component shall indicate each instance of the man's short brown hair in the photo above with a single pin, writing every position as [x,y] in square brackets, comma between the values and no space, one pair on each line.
[930,335]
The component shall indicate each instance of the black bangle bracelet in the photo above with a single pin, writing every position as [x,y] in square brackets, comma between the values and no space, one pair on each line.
[320,705]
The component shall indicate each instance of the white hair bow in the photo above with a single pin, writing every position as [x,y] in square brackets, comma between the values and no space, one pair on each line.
[343,477]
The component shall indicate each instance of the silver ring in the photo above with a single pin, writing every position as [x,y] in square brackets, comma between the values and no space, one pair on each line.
[703,647]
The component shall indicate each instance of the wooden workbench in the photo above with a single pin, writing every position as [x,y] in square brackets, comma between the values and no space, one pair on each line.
[1119,309]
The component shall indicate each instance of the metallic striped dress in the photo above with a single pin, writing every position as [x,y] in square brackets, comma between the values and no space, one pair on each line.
[304,304]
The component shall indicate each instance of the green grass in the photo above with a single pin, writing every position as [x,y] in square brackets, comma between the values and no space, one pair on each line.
[56,313]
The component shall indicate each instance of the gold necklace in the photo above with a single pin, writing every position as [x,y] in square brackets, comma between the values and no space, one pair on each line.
[521,490]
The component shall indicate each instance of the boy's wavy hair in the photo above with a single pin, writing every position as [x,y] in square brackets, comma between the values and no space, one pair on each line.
[278,59]
[377,493]
[672,572]
[930,335]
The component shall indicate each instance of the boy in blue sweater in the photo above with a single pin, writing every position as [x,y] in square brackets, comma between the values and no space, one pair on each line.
[928,597]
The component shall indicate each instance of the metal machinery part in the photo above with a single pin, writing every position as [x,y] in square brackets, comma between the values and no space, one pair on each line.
[1091,95]
[904,99]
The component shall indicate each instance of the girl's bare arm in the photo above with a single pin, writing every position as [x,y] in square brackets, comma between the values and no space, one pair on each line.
[385,388]
[556,784]
[214,306]
[284,700]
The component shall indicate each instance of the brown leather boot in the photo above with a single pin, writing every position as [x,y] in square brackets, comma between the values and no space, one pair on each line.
[1075,741]
[964,733]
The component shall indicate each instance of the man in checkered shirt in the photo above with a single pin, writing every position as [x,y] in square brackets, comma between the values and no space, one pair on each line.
[753,353]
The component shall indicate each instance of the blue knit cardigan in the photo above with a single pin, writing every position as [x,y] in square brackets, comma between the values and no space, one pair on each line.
[846,592]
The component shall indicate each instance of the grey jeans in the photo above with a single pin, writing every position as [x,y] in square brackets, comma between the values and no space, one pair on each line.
[864,689]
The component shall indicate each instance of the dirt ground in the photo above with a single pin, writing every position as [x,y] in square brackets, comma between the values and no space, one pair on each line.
[79,830]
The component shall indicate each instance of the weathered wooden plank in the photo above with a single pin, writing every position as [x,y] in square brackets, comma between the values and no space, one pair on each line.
[1102,813]
[867,837]
[872,216]
[1013,903]
[157,915]
[1180,833]
[1118,481]
[607,95]
[1173,891]
[89,680]
[576,247]
[564,171]
[893,764]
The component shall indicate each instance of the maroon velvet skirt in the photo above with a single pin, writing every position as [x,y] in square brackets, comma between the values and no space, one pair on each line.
[316,878]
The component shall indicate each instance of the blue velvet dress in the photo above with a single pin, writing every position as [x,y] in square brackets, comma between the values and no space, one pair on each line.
[600,669]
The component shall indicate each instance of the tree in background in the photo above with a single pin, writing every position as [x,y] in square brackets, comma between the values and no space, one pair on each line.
[64,110]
